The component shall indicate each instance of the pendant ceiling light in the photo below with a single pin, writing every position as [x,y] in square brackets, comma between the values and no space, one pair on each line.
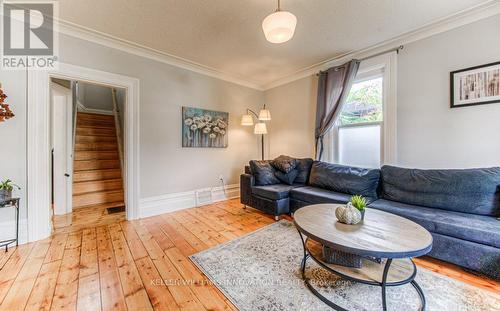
[279,27]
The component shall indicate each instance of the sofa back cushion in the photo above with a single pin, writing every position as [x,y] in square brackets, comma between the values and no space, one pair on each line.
[263,172]
[345,179]
[304,170]
[473,191]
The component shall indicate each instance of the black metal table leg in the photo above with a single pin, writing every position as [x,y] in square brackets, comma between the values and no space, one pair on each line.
[384,282]
[17,223]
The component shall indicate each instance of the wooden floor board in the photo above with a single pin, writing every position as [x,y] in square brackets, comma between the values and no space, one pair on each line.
[98,261]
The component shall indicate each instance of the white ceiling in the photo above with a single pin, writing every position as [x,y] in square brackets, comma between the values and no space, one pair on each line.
[226,35]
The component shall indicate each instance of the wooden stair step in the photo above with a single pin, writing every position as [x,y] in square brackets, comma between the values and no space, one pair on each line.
[97,185]
[94,116]
[94,139]
[96,146]
[96,175]
[96,155]
[92,124]
[100,197]
[103,206]
[86,165]
[95,131]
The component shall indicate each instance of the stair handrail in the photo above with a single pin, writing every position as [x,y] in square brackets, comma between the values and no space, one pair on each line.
[116,113]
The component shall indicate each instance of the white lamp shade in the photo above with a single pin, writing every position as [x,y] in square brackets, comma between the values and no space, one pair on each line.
[279,27]
[246,120]
[264,115]
[260,128]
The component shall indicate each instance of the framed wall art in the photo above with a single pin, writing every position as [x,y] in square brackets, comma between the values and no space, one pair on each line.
[475,86]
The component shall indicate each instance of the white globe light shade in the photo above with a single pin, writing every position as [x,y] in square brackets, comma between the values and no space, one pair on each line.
[279,27]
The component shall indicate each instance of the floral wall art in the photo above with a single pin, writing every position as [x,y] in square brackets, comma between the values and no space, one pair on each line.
[204,128]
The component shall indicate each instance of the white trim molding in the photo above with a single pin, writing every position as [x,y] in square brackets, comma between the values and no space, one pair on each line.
[450,22]
[464,17]
[8,230]
[82,108]
[172,202]
[101,38]
[38,157]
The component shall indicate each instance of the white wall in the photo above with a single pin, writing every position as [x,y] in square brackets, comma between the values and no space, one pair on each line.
[165,167]
[430,134]
[95,96]
[293,112]
[13,147]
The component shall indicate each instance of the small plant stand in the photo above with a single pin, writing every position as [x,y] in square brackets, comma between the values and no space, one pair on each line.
[13,202]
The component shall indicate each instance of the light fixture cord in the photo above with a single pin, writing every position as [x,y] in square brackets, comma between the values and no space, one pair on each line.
[279,6]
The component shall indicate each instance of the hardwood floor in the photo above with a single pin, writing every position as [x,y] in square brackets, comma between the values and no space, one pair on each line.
[102,262]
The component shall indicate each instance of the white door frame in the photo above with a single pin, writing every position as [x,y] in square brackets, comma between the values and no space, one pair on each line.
[38,160]
[66,195]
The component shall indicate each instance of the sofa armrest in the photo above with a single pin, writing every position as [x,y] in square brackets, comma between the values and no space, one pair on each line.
[247,181]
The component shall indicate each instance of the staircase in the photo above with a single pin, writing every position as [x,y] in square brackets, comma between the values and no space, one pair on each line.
[97,177]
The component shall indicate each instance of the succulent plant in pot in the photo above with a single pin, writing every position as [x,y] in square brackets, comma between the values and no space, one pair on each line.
[360,203]
[6,188]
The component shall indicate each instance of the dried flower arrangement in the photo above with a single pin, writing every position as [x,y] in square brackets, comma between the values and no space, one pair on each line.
[5,112]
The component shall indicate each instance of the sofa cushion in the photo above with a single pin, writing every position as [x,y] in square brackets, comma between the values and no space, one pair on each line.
[474,191]
[317,195]
[474,228]
[284,163]
[304,169]
[273,192]
[287,178]
[345,179]
[263,173]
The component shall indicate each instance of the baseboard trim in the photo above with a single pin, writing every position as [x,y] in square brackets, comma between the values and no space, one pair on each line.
[172,202]
[8,231]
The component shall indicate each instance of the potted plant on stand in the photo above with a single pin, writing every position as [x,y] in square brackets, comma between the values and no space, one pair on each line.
[6,188]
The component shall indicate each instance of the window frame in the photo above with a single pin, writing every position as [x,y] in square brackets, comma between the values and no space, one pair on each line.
[381,66]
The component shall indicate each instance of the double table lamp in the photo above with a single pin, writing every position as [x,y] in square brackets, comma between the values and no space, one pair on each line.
[260,127]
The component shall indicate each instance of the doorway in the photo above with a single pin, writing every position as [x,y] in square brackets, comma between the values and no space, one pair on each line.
[39,141]
[87,154]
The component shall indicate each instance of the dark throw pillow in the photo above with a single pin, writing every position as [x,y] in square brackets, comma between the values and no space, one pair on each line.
[284,163]
[263,173]
[287,178]
[304,169]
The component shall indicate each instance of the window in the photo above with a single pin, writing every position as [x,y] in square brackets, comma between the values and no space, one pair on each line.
[358,135]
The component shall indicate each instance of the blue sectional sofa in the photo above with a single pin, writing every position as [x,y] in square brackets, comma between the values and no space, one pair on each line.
[459,207]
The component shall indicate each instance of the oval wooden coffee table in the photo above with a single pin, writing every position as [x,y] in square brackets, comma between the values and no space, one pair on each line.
[381,235]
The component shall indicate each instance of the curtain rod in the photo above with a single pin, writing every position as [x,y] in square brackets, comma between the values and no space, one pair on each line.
[396,49]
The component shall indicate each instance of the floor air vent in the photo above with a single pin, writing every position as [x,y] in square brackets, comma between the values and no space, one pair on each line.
[203,197]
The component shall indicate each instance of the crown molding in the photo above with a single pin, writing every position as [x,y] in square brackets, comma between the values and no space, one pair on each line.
[101,38]
[450,22]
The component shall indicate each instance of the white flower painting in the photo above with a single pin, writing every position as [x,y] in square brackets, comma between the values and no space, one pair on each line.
[204,128]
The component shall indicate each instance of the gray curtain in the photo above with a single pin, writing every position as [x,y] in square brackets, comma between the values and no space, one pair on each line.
[333,88]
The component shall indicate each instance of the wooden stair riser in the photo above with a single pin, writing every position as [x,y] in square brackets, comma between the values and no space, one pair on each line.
[94,186]
[80,139]
[96,146]
[97,198]
[96,175]
[95,165]
[95,123]
[96,155]
[89,131]
[94,116]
